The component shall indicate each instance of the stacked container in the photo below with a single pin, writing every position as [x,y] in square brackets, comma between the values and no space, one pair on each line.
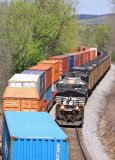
[87,55]
[29,80]
[70,60]
[93,53]
[55,71]
[48,80]
[33,136]
[25,92]
[22,99]
[63,63]
[55,68]
[48,74]
[41,86]
[76,58]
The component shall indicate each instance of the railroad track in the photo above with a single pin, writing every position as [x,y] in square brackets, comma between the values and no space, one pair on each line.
[75,149]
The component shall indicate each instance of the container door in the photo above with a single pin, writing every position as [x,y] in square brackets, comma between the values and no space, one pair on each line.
[11,105]
[29,105]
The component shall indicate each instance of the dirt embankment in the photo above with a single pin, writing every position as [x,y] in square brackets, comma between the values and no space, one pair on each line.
[107,123]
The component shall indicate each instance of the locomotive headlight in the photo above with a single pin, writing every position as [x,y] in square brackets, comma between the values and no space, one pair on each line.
[71,81]
[62,107]
[77,108]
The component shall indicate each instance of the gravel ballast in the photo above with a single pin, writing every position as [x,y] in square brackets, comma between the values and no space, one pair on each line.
[96,104]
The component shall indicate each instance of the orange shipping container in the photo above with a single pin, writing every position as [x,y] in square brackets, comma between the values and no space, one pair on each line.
[21,99]
[63,63]
[48,74]
[55,68]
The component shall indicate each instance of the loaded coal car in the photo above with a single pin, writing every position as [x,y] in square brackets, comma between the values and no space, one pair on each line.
[73,89]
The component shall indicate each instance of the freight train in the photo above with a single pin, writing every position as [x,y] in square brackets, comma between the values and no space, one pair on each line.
[73,89]
[66,79]
[35,88]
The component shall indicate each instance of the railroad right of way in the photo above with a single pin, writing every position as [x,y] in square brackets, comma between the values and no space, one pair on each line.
[76,151]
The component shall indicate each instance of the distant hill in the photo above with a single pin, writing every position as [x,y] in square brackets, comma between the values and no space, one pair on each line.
[93,19]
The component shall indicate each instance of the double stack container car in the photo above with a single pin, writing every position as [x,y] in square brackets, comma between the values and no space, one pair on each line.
[33,136]
[24,93]
[48,80]
[55,71]
[63,63]
[22,99]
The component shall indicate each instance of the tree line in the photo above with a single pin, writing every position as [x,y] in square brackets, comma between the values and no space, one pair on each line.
[33,30]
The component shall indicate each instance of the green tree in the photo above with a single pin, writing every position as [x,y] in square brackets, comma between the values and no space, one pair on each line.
[102,36]
[59,19]
[33,30]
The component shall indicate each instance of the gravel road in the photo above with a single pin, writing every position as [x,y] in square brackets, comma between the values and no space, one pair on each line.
[94,105]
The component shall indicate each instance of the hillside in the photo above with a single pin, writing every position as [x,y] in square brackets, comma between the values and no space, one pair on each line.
[94,19]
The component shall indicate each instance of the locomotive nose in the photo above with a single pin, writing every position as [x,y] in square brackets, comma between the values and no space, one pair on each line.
[69,117]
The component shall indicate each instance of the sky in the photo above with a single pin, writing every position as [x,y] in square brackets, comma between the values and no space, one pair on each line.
[96,7]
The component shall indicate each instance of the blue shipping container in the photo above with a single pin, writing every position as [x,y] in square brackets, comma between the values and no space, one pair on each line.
[33,136]
[70,61]
[48,94]
[42,80]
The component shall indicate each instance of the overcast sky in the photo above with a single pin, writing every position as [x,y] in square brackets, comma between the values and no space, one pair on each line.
[94,7]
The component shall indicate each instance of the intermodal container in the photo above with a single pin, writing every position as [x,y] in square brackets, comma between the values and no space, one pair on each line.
[48,74]
[81,58]
[88,56]
[83,48]
[54,89]
[70,61]
[33,136]
[63,63]
[92,54]
[48,94]
[21,99]
[41,86]
[95,51]
[55,68]
[27,81]
[76,58]
[41,104]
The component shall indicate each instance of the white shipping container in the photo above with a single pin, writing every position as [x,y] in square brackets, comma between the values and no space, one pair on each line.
[25,80]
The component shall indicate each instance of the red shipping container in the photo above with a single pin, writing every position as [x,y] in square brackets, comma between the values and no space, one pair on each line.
[63,63]
[48,74]
[88,56]
[84,59]
[92,54]
[76,58]
[82,48]
[81,58]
